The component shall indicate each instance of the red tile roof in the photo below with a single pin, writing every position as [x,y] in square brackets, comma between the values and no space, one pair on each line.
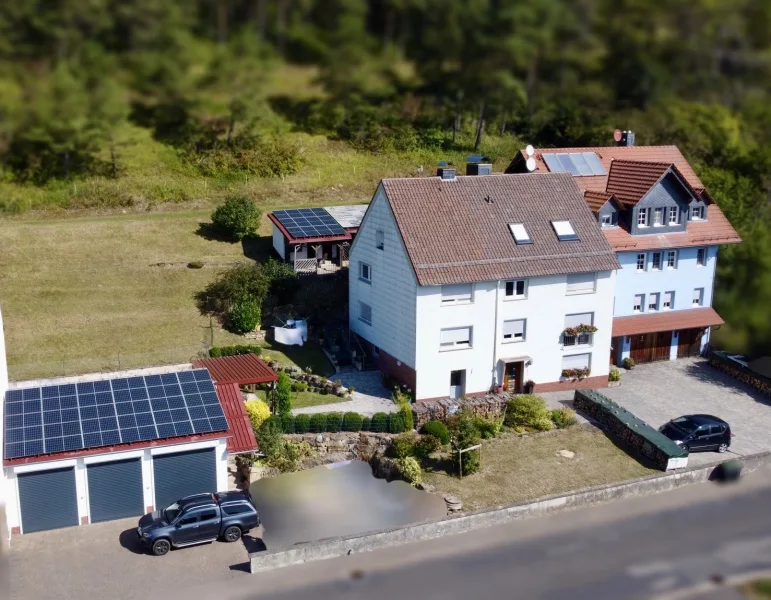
[630,180]
[242,369]
[240,435]
[666,321]
[458,231]
[596,200]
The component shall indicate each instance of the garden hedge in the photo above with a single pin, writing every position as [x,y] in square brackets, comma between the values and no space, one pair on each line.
[632,432]
[336,422]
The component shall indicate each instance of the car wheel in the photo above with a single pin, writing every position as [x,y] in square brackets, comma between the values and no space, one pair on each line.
[232,534]
[722,447]
[161,547]
[685,447]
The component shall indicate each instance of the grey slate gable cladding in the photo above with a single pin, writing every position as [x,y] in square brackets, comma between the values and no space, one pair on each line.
[667,193]
[453,234]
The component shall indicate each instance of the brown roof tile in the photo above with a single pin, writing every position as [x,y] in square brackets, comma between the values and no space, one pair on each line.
[630,180]
[596,200]
[243,369]
[453,235]
[665,321]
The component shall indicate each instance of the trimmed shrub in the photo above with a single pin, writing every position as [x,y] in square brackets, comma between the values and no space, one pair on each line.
[409,469]
[283,394]
[217,351]
[352,421]
[287,423]
[396,423]
[528,413]
[487,429]
[366,423]
[334,422]
[629,363]
[269,437]
[439,430]
[302,423]
[427,445]
[299,386]
[379,422]
[403,445]
[258,411]
[245,315]
[237,217]
[405,411]
[563,418]
[614,375]
[318,423]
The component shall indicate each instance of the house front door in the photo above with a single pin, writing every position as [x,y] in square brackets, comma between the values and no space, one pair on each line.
[457,383]
[512,377]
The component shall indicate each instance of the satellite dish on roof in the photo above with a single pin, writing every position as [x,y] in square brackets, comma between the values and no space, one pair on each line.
[617,135]
[529,150]
[530,163]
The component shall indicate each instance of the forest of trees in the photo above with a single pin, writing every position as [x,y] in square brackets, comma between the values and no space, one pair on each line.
[399,76]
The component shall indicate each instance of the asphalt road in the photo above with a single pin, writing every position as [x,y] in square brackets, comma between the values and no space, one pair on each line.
[638,548]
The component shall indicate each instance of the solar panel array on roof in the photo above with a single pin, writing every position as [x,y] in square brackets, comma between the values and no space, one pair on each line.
[92,414]
[308,222]
[578,164]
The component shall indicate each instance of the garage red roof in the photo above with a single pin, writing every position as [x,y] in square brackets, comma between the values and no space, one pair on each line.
[666,321]
[242,369]
[240,435]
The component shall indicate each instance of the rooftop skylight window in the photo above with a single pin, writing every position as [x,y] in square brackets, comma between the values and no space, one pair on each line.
[521,236]
[564,230]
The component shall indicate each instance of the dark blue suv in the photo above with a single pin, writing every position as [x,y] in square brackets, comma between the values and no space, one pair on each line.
[198,519]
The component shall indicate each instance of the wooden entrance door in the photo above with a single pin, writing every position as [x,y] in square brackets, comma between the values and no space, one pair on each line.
[689,343]
[648,347]
[512,377]
[663,347]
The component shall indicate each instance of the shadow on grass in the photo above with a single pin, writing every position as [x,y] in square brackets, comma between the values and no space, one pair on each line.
[259,249]
[209,231]
[439,464]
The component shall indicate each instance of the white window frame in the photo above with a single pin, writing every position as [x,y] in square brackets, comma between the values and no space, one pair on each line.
[450,299]
[660,261]
[514,295]
[606,220]
[673,255]
[573,357]
[671,301]
[658,215]
[513,337]
[585,290]
[362,267]
[380,239]
[637,307]
[698,297]
[361,313]
[674,216]
[703,261]
[455,344]
[654,300]
[694,210]
[644,262]
[642,217]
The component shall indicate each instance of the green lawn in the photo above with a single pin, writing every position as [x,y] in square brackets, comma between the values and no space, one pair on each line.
[304,399]
[310,355]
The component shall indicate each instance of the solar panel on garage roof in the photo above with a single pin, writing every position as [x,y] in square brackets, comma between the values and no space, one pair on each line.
[92,414]
[308,222]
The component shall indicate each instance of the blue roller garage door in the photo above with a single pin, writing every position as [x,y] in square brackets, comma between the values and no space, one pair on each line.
[183,474]
[48,500]
[115,490]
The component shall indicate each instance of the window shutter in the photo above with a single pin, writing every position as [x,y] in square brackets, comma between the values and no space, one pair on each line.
[459,334]
[456,292]
[579,319]
[575,361]
[581,282]
[514,329]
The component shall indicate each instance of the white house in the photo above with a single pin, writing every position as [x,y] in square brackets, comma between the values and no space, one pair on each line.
[462,283]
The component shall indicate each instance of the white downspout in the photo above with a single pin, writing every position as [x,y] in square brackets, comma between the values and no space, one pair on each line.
[495,336]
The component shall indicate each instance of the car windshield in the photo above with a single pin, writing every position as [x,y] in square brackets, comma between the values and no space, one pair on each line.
[685,424]
[171,512]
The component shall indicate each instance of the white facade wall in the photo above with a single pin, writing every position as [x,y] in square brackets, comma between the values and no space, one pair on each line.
[81,478]
[279,242]
[393,289]
[545,307]
[4,492]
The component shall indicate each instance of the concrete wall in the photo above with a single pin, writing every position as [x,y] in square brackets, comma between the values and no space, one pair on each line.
[279,242]
[544,308]
[392,291]
[335,547]
[681,280]
[81,479]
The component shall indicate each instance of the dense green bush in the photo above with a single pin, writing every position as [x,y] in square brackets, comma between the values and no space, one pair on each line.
[409,469]
[366,423]
[233,285]
[427,445]
[237,218]
[487,429]
[284,282]
[396,423]
[563,417]
[258,412]
[405,411]
[269,437]
[528,413]
[318,423]
[287,423]
[283,394]
[302,423]
[464,434]
[334,422]
[438,429]
[379,422]
[614,375]
[403,445]
[245,316]
[299,386]
[218,351]
[352,421]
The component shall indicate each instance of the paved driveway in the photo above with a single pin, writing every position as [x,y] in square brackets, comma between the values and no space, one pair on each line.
[658,392]
[104,560]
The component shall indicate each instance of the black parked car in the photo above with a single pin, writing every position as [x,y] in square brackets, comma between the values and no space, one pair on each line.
[699,432]
[198,519]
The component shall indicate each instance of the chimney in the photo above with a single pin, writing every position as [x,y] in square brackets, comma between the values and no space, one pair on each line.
[478,165]
[445,171]
[627,138]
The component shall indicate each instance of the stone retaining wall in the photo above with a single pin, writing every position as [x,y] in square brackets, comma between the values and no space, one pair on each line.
[489,406]
[359,445]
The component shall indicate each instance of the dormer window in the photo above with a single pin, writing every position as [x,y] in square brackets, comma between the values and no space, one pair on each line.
[642,217]
[521,236]
[564,231]
[658,217]
[673,215]
[697,213]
